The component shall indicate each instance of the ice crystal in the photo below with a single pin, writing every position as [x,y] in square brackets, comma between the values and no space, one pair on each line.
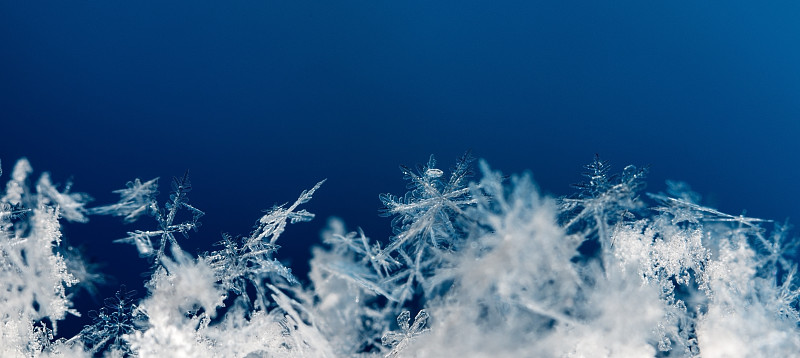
[111,324]
[398,340]
[140,198]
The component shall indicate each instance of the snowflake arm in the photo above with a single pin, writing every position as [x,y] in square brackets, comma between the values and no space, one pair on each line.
[273,223]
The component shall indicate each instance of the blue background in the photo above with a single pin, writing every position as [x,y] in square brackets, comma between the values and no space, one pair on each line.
[261,99]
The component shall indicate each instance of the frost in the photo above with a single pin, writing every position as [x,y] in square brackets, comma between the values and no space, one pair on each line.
[34,275]
[492,267]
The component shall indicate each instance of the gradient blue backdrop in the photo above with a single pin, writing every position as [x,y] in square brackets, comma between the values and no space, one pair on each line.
[261,99]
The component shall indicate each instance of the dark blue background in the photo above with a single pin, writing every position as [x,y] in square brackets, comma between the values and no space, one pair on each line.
[261,99]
